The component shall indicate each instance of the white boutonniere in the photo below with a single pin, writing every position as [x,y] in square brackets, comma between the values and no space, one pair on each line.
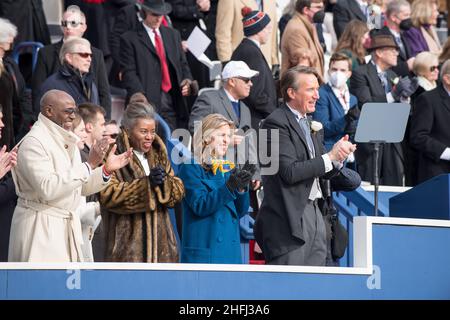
[316,126]
[395,81]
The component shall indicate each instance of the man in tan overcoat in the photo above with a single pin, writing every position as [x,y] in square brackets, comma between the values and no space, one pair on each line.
[229,30]
[50,179]
[301,33]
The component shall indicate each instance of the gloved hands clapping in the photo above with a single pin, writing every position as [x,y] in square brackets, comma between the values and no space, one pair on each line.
[240,179]
[405,88]
[156,176]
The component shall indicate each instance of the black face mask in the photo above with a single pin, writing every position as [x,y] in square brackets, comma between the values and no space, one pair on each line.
[319,16]
[406,24]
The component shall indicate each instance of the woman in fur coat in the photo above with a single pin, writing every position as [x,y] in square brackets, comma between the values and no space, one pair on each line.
[136,201]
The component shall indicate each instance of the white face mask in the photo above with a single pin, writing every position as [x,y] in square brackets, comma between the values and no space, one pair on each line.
[338,79]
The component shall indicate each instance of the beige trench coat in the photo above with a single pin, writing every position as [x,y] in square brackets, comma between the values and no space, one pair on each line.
[230,30]
[50,179]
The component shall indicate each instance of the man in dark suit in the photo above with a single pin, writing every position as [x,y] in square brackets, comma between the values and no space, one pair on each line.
[396,12]
[153,63]
[228,101]
[263,96]
[347,10]
[48,62]
[376,82]
[430,135]
[289,226]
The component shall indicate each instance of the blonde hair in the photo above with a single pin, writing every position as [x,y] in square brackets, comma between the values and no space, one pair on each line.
[421,12]
[203,135]
[423,62]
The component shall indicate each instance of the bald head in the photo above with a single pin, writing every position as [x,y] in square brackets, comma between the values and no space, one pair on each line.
[59,107]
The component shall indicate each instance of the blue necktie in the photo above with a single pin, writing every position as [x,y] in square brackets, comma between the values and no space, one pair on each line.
[385,82]
[236,108]
[306,130]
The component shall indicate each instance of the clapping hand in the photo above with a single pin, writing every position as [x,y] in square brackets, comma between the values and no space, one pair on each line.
[98,152]
[341,149]
[117,161]
[8,160]
[157,175]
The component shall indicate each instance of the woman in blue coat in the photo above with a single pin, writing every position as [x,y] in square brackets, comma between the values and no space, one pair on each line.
[216,197]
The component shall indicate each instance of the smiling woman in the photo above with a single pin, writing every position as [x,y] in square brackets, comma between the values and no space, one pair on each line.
[216,196]
[136,201]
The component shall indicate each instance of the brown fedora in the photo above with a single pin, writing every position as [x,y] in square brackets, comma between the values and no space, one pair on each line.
[382,41]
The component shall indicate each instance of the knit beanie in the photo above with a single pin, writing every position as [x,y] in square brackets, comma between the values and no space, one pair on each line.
[254,21]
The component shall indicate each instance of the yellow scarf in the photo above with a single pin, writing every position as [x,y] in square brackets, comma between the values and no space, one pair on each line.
[222,165]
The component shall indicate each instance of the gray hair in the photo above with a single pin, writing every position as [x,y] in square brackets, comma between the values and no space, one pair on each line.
[136,111]
[77,10]
[69,46]
[395,6]
[7,30]
[445,69]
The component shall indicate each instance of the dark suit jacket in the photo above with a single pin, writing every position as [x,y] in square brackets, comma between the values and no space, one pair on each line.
[345,11]
[142,68]
[430,134]
[278,227]
[367,87]
[330,113]
[401,68]
[48,63]
[263,96]
[216,101]
[126,20]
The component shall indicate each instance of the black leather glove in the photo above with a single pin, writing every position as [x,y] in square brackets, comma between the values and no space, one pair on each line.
[251,168]
[353,114]
[276,71]
[238,180]
[405,88]
[156,176]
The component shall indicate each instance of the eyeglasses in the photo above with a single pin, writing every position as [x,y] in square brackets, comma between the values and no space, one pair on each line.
[70,111]
[84,55]
[72,24]
[112,135]
[246,80]
[434,68]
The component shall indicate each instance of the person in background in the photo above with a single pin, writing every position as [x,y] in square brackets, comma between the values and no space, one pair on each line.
[336,108]
[262,99]
[154,64]
[398,14]
[376,82]
[135,203]
[426,68]
[301,33]
[422,35]
[89,212]
[17,114]
[74,75]
[73,24]
[216,196]
[8,195]
[229,31]
[346,11]
[430,136]
[354,41]
[111,130]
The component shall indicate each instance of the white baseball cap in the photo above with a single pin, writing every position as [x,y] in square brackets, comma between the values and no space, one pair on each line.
[235,69]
